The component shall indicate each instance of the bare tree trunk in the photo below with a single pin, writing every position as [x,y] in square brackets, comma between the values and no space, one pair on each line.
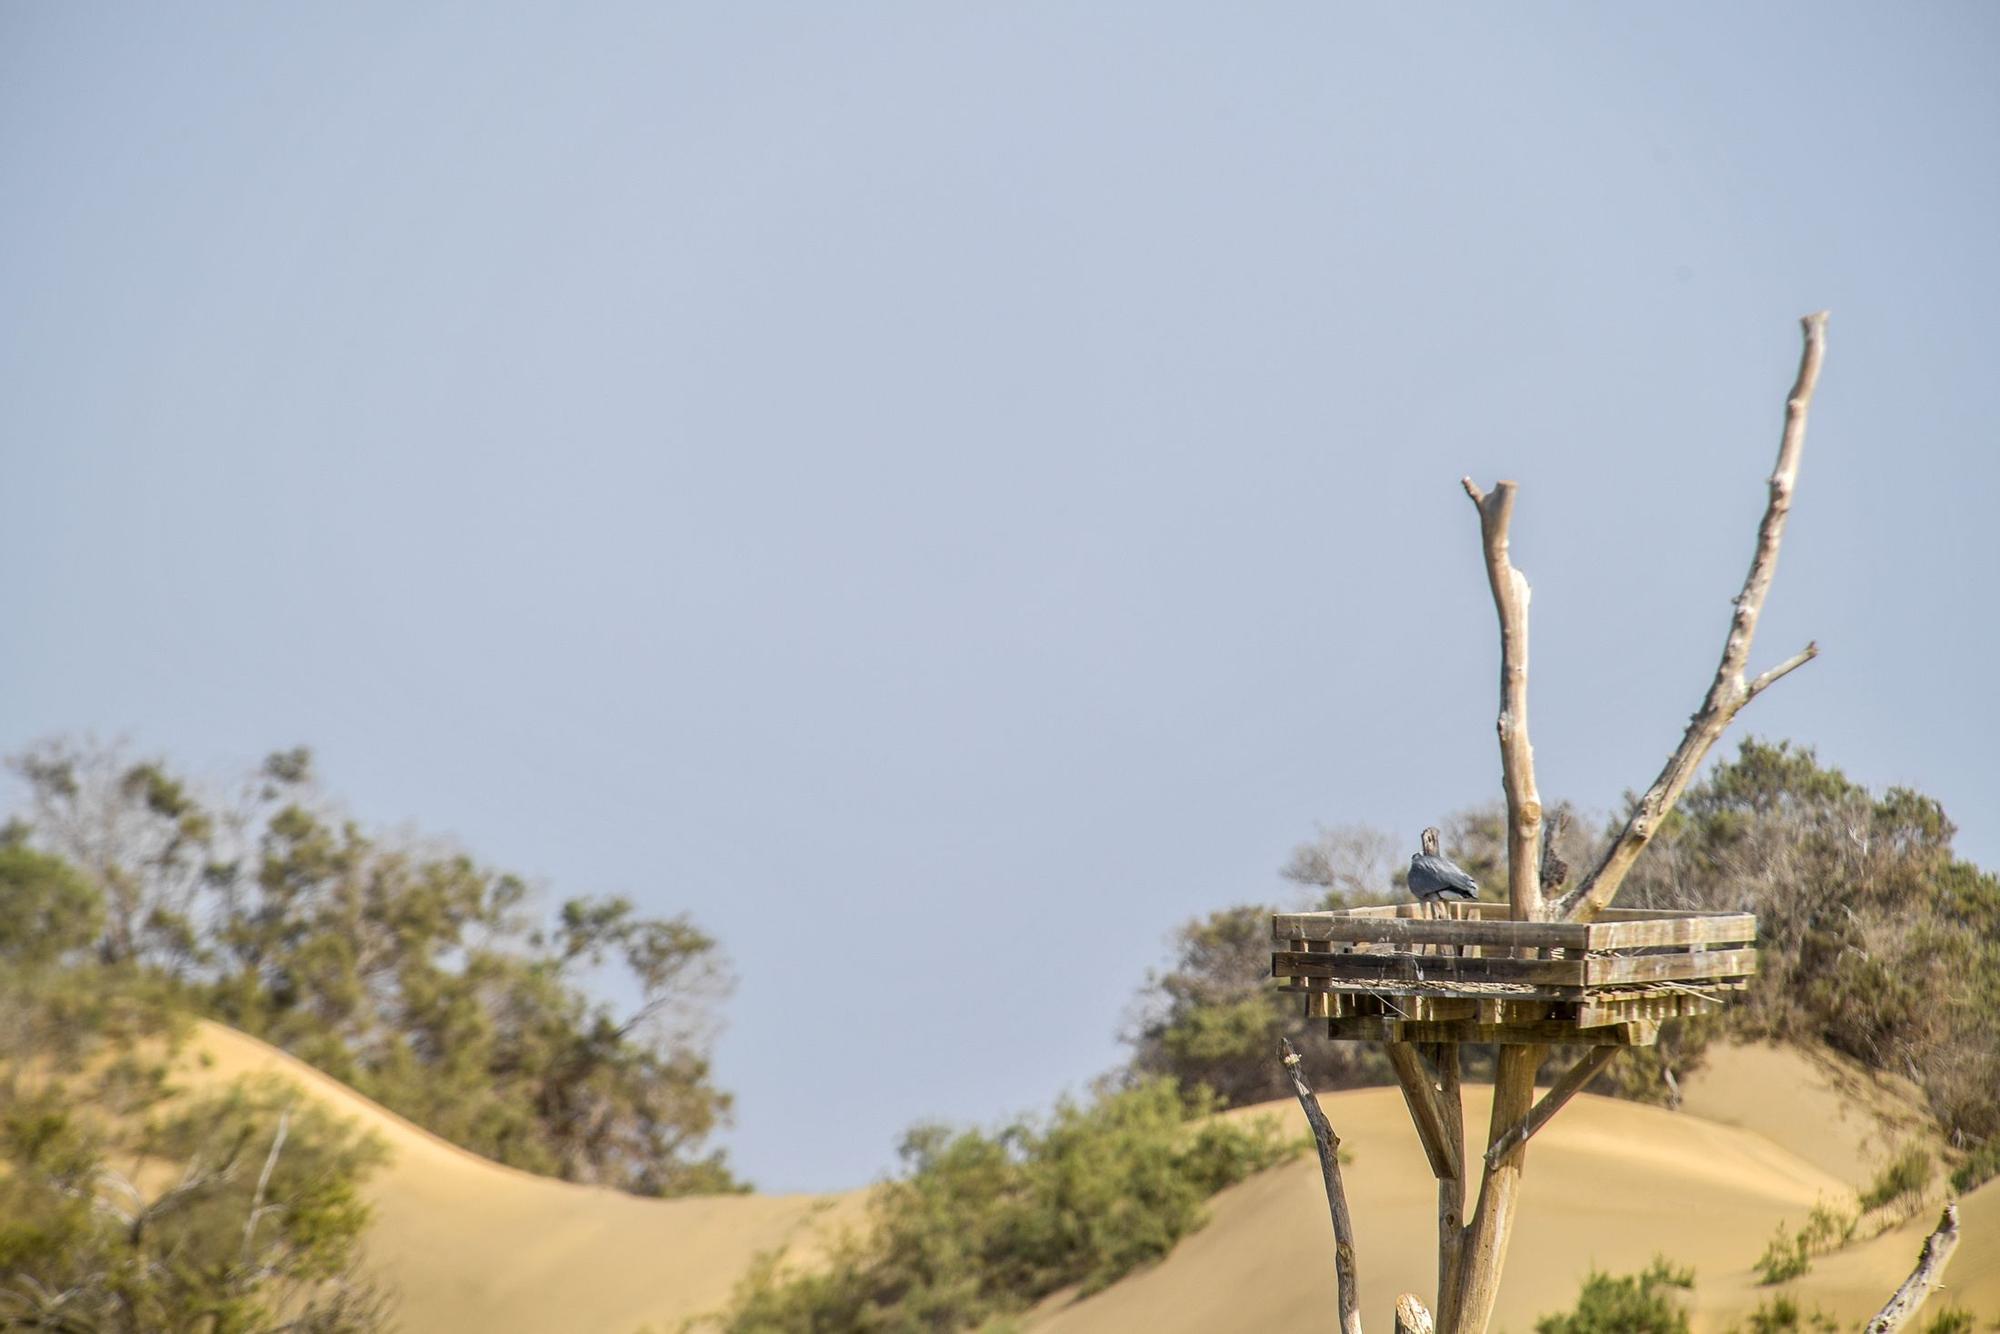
[1499,1189]
[1328,1145]
[1517,758]
[1916,1289]
[1451,1190]
[1728,692]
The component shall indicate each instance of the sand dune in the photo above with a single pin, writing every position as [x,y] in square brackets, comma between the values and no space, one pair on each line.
[470,1245]
[473,1246]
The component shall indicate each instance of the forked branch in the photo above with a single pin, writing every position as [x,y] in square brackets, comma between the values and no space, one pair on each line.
[1517,758]
[1328,1145]
[1729,691]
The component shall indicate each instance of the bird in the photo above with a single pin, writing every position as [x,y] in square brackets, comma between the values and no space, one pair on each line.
[1435,880]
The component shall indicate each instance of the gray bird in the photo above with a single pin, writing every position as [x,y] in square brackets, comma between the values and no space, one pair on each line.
[1434,880]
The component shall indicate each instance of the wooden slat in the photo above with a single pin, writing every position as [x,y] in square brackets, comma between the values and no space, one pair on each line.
[1598,1011]
[1652,914]
[1716,929]
[1656,967]
[1376,968]
[1386,1028]
[1419,931]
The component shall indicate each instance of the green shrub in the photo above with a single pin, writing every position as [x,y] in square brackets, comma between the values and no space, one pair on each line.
[980,1225]
[1784,1259]
[1981,1166]
[1782,1315]
[257,1228]
[1641,1303]
[1827,1229]
[1952,1320]
[1902,1182]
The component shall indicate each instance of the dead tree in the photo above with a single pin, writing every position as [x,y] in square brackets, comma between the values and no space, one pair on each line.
[1570,969]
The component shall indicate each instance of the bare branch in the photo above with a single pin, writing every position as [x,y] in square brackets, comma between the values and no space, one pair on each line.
[1916,1289]
[1727,693]
[1785,668]
[1560,1092]
[1328,1145]
[264,1182]
[1517,757]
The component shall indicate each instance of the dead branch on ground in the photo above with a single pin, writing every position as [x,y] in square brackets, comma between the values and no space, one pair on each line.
[1916,1289]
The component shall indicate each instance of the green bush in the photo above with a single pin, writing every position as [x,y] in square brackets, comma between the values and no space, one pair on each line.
[257,1226]
[1641,1303]
[980,1225]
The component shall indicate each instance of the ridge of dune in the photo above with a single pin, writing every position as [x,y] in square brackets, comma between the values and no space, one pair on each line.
[468,1244]
[471,1245]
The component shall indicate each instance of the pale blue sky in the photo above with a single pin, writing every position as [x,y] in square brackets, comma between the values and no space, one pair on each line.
[944,493]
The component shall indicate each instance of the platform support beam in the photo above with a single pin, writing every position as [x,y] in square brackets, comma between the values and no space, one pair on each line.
[1552,1102]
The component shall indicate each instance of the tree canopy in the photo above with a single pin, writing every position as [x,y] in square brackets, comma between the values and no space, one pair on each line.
[406,968]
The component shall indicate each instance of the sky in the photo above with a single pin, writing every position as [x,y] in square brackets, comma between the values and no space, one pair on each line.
[945,493]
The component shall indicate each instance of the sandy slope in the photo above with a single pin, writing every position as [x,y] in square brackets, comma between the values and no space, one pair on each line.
[477,1247]
[473,1246]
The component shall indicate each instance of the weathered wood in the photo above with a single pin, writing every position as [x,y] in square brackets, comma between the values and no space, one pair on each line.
[1663,967]
[1386,1028]
[1916,1289]
[1517,757]
[1639,933]
[1728,692]
[1328,1144]
[1451,1190]
[1411,1317]
[1565,1088]
[1425,1109]
[1499,1190]
[1601,1010]
[1417,931]
[1377,968]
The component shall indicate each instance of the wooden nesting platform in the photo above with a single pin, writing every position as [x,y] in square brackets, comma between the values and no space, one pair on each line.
[1392,974]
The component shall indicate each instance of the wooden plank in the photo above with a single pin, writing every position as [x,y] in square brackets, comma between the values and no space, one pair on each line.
[1598,1011]
[1718,929]
[1653,914]
[1550,1103]
[1425,1109]
[1661,967]
[1450,994]
[1386,1028]
[1375,968]
[1420,931]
